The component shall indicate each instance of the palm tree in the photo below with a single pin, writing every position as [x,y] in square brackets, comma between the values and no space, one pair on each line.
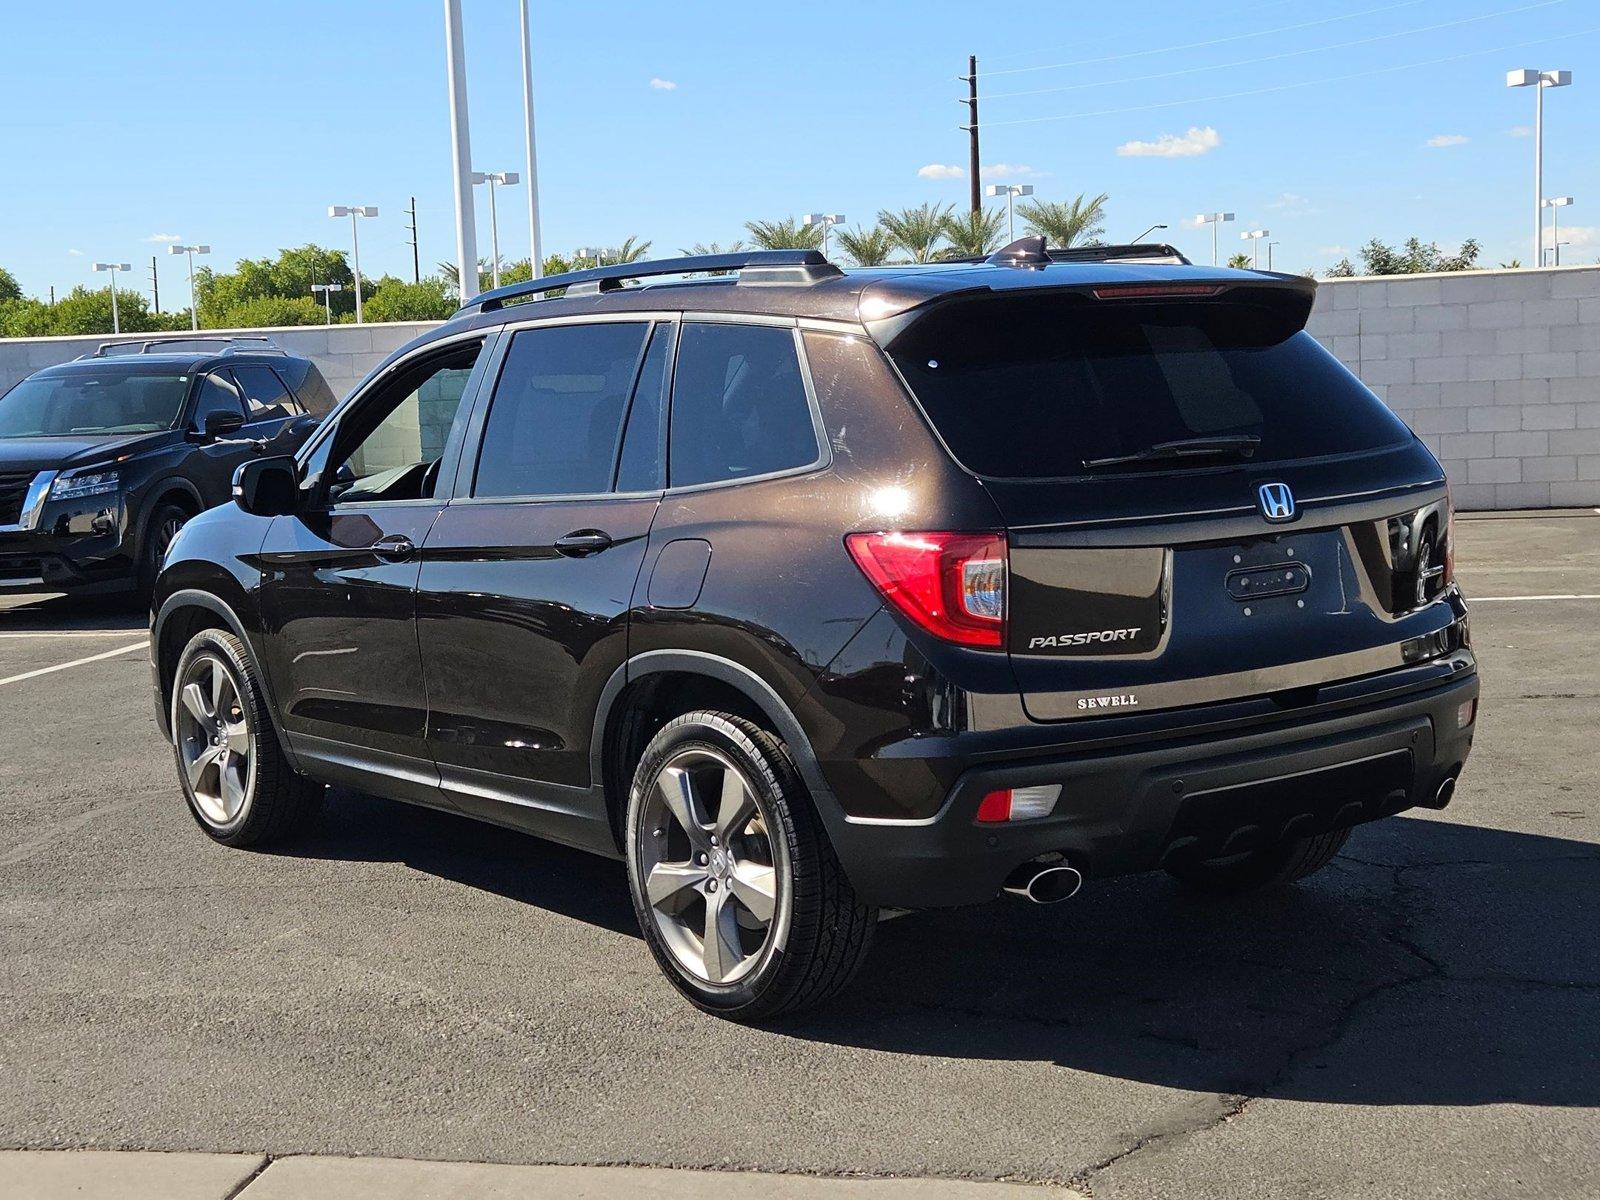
[866,247]
[630,251]
[701,248]
[1064,224]
[973,234]
[1241,260]
[917,231]
[787,234]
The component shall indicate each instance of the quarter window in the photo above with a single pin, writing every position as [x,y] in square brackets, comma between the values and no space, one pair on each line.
[555,421]
[739,406]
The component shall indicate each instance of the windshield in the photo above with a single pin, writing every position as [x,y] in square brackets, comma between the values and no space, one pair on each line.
[92,402]
[1051,386]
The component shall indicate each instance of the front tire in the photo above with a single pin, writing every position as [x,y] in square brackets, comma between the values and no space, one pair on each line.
[737,890]
[162,527]
[239,785]
[1273,866]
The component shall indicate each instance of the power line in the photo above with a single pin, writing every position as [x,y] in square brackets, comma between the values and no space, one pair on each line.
[1237,37]
[1211,18]
[1250,62]
[1285,87]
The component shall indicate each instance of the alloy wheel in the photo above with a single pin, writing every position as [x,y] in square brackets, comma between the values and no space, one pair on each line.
[712,873]
[214,739]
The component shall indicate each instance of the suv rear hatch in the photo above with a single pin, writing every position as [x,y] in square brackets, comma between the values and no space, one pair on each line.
[1201,504]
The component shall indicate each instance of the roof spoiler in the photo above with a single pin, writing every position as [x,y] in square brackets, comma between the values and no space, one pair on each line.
[154,345]
[1032,251]
[760,268]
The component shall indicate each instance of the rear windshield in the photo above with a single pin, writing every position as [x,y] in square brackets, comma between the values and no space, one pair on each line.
[109,401]
[1038,387]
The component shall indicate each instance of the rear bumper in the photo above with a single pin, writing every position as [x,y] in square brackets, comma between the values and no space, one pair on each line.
[1132,810]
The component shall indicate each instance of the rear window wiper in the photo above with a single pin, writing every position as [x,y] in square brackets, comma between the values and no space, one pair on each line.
[1242,444]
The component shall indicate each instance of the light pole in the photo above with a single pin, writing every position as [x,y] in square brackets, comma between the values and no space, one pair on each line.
[327,290]
[537,251]
[1557,249]
[1010,191]
[194,304]
[1213,220]
[353,211]
[827,221]
[116,320]
[1555,204]
[1538,81]
[1270,245]
[505,179]
[1147,233]
[460,154]
[586,252]
[1254,237]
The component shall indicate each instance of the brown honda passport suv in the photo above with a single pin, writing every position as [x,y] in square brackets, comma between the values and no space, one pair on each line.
[813,594]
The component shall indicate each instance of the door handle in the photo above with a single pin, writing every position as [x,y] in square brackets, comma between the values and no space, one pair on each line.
[583,541]
[396,547]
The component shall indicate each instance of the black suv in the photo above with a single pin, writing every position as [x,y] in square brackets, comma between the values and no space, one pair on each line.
[104,458]
[814,594]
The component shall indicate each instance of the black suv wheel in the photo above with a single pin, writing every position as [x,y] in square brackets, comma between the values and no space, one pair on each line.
[736,887]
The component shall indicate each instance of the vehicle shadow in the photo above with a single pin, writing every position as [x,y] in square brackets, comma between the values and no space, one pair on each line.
[72,613]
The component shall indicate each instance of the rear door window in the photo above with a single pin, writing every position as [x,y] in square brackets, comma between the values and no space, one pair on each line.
[555,420]
[264,392]
[1037,387]
[739,405]
[218,393]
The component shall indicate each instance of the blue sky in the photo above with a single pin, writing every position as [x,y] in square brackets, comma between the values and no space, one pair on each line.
[237,123]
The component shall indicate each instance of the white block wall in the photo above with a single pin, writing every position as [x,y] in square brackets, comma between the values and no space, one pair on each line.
[344,353]
[1498,371]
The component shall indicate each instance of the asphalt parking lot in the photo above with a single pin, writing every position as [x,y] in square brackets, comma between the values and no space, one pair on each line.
[1420,1019]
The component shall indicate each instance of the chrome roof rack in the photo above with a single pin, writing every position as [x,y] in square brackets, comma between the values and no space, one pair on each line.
[156,345]
[756,268]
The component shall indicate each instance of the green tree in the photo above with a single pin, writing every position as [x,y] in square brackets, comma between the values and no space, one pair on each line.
[1241,260]
[289,276]
[787,234]
[26,317]
[1413,258]
[267,312]
[918,231]
[83,310]
[866,247]
[973,234]
[429,300]
[10,289]
[1064,224]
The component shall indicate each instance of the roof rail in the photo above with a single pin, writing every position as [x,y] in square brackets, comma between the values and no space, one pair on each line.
[756,267]
[1156,252]
[230,345]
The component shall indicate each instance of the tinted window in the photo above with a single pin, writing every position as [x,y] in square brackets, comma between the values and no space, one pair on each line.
[1036,387]
[643,465]
[739,405]
[104,401]
[264,393]
[217,394]
[555,421]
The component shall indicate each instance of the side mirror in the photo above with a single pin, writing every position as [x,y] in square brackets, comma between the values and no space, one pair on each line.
[219,424]
[267,487]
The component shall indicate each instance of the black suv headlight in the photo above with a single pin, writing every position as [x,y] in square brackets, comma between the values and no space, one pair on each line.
[87,483]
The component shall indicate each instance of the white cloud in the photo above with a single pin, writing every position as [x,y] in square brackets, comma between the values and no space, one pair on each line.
[1521,131]
[1341,250]
[1292,204]
[1170,145]
[1581,235]
[663,85]
[1010,171]
[941,171]
[165,237]
[1440,140]
[75,253]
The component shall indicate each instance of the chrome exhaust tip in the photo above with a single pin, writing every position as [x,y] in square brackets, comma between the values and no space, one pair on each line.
[1044,883]
[1446,792]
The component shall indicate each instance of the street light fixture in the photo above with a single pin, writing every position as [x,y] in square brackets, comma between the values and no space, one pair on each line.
[1213,220]
[116,320]
[505,179]
[827,221]
[1557,249]
[1270,245]
[1147,233]
[1555,204]
[353,211]
[1538,81]
[583,252]
[1010,191]
[1254,237]
[194,306]
[327,290]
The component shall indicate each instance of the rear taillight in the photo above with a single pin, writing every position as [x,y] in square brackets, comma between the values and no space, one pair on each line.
[1019,804]
[953,585]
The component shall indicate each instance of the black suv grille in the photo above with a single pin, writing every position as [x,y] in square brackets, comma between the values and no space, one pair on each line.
[13,490]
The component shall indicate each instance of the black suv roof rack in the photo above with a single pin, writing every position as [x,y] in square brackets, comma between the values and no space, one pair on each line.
[1125,251]
[755,267]
[229,345]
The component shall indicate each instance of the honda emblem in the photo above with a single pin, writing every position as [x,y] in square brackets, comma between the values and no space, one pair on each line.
[1277,502]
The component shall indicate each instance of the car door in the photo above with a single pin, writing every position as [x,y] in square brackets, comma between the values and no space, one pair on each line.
[338,593]
[213,461]
[527,575]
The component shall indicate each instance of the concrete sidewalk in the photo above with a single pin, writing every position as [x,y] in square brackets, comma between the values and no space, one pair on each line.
[148,1175]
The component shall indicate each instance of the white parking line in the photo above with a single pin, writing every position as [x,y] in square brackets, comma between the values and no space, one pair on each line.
[1497,599]
[70,633]
[77,662]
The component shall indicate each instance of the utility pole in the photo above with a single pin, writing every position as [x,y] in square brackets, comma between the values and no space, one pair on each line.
[155,286]
[972,129]
[535,240]
[52,295]
[416,265]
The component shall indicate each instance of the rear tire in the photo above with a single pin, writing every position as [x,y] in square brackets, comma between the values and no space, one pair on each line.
[238,783]
[1274,866]
[737,890]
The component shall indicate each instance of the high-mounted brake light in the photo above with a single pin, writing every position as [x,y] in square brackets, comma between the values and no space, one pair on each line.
[953,585]
[1155,291]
